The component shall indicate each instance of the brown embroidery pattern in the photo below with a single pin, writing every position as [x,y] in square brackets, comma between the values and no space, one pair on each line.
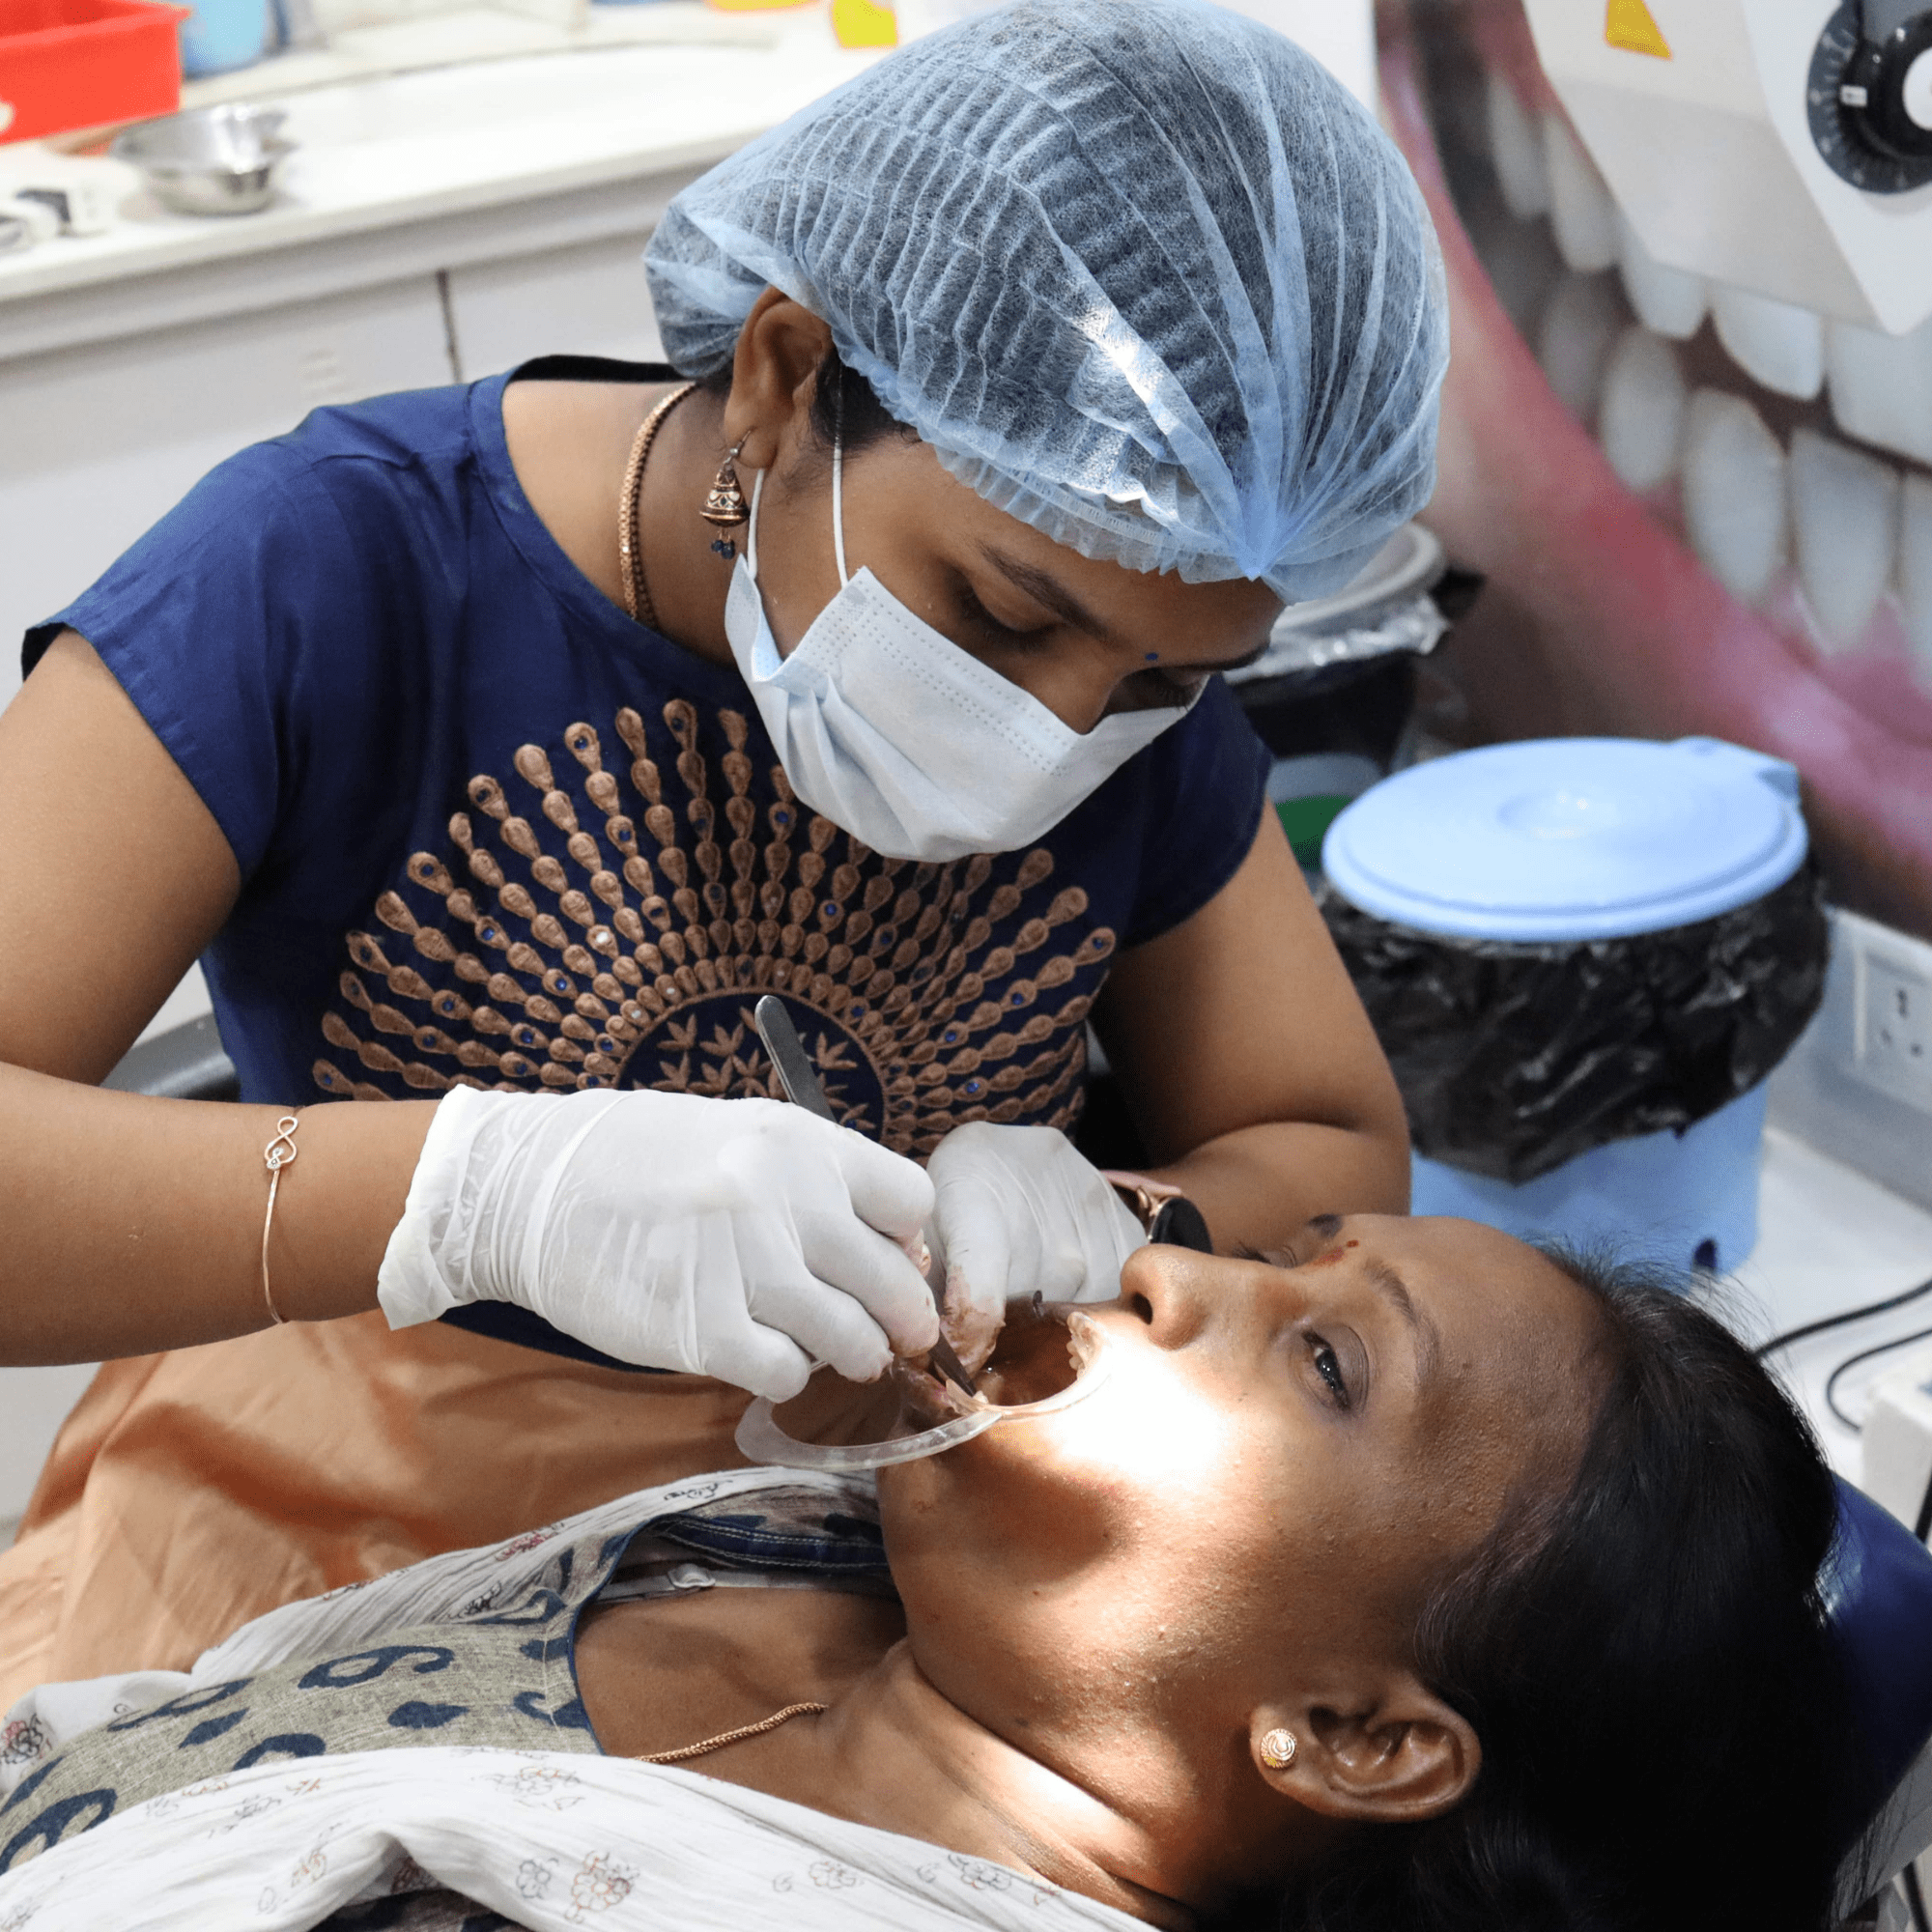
[628,951]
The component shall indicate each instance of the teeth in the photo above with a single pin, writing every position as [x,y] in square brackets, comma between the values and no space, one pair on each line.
[1581,208]
[1516,152]
[1579,328]
[1778,344]
[1643,422]
[1522,265]
[1845,507]
[1671,301]
[1733,492]
[1915,575]
[1882,387]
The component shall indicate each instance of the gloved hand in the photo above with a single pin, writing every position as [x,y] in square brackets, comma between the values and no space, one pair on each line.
[735,1239]
[1020,1209]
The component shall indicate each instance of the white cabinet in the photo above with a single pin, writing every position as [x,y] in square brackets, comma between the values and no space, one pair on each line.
[96,443]
[589,300]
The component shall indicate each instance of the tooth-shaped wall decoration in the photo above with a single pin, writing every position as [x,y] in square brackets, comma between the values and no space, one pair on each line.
[1844,512]
[1516,152]
[1641,423]
[1580,209]
[1733,492]
[1775,343]
[1671,301]
[1522,264]
[1579,328]
[1882,387]
[1915,575]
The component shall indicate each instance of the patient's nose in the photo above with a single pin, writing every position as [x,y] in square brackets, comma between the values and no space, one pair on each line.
[1172,1290]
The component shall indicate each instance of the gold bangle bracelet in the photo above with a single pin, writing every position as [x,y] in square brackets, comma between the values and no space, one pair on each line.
[280,1153]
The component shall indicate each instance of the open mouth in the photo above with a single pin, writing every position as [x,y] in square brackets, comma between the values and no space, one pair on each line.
[1047,1357]
[1699,510]
[1044,1350]
[1040,1355]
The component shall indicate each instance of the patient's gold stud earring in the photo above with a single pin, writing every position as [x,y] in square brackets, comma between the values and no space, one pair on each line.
[1278,1749]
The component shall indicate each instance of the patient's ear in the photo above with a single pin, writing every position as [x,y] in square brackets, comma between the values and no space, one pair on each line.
[1397,1758]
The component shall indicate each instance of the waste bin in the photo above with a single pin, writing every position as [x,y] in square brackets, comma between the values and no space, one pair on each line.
[1583,957]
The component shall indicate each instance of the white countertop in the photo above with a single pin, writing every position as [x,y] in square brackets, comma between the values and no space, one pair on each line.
[1830,1239]
[453,113]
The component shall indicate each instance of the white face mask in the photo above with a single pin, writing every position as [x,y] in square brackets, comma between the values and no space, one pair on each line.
[909,743]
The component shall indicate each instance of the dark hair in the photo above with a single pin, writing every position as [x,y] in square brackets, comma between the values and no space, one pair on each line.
[1666,1741]
[842,403]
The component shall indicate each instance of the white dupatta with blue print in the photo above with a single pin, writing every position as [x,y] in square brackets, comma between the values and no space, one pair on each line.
[553,1841]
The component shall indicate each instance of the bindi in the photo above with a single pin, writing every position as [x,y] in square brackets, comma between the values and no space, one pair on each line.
[1333,1255]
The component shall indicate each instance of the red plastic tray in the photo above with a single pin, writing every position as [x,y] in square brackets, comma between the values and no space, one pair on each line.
[85,63]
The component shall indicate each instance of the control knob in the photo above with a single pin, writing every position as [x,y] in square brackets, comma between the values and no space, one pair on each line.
[1869,94]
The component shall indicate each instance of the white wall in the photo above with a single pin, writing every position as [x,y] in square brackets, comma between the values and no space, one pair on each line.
[99,443]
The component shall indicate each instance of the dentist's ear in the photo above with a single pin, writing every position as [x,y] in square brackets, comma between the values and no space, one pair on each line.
[1396,1757]
[774,371]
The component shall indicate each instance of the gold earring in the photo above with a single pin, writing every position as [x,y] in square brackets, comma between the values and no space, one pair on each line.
[725,504]
[1278,1749]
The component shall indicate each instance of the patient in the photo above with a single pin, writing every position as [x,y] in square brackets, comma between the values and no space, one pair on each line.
[1412,1578]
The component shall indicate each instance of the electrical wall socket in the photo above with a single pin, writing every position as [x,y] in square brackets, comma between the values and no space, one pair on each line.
[1895,1026]
[1853,1087]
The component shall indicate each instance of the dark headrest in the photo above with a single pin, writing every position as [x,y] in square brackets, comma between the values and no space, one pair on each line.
[1877,1593]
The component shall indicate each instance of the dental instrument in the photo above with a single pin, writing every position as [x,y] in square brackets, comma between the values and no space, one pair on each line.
[803,1088]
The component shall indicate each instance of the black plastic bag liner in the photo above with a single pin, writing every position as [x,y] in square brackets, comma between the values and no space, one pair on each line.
[1514,1058]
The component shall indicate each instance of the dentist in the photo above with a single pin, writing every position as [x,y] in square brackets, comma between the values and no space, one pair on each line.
[495,748]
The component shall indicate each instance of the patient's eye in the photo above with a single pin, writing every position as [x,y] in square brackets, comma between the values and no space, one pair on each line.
[1328,1366]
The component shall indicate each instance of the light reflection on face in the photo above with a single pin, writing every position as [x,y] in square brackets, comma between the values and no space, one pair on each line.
[1283,1453]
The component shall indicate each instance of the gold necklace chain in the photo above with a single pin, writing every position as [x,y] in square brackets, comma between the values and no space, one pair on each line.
[724,1738]
[629,543]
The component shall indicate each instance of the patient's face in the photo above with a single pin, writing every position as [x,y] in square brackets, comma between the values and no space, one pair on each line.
[1281,1457]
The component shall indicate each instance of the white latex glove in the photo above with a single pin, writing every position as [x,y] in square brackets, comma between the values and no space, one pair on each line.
[744,1240]
[1021,1209]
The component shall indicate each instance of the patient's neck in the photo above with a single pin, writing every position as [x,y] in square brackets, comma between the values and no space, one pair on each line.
[891,1753]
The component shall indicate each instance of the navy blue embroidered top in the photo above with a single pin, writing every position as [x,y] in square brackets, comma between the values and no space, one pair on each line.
[490,830]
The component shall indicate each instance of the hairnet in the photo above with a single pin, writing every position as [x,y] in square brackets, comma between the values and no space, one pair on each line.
[1141,271]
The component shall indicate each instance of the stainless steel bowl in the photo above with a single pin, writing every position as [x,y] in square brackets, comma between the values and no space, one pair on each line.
[212,160]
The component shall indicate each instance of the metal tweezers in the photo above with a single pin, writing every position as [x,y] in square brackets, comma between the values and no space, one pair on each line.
[803,1088]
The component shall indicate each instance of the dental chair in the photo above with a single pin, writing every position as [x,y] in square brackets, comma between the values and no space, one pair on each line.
[1877,1593]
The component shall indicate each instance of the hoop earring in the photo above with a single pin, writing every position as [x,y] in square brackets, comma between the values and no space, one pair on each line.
[1278,1748]
[725,504]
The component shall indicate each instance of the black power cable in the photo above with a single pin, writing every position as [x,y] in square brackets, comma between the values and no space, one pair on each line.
[1843,1320]
[1852,1362]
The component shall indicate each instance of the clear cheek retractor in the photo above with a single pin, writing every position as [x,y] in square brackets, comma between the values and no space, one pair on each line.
[762,1439]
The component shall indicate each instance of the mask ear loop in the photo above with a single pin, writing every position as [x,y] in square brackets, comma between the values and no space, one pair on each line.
[838,478]
[752,532]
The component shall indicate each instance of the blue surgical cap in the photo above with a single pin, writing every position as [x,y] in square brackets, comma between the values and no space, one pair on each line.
[1141,271]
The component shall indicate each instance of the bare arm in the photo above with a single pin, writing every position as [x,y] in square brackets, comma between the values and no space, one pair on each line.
[135,1224]
[1249,1064]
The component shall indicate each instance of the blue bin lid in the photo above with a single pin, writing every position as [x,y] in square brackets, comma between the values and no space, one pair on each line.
[1570,839]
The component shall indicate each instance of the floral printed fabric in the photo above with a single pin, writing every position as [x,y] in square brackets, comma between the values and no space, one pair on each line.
[529,1839]
[473,1648]
[489,1834]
